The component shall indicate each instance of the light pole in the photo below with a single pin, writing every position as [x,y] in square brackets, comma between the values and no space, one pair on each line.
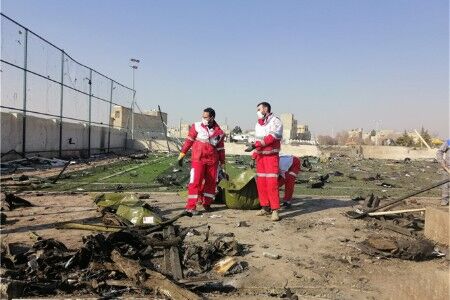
[134,66]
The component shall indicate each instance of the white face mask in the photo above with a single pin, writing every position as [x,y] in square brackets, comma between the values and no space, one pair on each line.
[260,115]
[205,122]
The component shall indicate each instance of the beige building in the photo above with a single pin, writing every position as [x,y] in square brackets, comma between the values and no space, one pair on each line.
[355,136]
[147,124]
[289,126]
[303,133]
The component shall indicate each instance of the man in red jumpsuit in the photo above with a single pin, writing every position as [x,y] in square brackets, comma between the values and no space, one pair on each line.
[207,142]
[290,166]
[268,134]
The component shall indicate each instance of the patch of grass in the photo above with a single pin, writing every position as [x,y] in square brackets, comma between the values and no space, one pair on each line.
[405,177]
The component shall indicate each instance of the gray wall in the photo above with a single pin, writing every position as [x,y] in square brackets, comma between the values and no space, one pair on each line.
[42,135]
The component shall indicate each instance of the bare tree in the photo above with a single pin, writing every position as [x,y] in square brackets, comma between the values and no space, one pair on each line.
[342,138]
[326,140]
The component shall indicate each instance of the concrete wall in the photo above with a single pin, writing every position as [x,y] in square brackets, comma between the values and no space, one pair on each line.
[397,152]
[42,136]
[375,152]
[301,150]
[159,145]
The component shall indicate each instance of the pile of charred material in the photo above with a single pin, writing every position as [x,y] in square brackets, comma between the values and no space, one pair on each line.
[124,259]
[407,222]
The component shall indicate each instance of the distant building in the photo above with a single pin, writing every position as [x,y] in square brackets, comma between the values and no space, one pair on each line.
[147,124]
[303,133]
[289,126]
[355,136]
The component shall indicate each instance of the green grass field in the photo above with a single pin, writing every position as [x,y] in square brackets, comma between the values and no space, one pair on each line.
[161,173]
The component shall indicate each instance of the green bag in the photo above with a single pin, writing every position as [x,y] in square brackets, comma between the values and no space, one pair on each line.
[138,215]
[240,192]
[129,207]
[109,200]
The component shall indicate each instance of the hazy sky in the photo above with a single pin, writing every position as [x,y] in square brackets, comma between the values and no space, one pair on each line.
[334,64]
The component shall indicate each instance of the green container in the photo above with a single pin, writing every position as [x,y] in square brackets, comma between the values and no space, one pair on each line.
[138,215]
[240,192]
[129,207]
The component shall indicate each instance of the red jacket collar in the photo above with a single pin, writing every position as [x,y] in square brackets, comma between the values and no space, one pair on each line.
[215,127]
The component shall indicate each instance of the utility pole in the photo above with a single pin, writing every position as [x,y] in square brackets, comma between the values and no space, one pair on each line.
[134,66]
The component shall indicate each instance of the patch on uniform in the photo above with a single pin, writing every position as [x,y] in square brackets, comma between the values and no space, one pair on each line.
[448,143]
[191,179]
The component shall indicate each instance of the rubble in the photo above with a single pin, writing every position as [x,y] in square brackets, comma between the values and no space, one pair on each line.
[403,248]
[31,163]
[11,201]
[113,264]
[271,255]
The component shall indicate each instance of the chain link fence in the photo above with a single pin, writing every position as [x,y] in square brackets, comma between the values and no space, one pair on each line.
[40,82]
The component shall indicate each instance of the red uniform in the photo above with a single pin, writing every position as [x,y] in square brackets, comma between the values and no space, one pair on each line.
[290,166]
[207,152]
[268,134]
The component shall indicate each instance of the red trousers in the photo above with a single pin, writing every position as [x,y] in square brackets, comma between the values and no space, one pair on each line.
[202,184]
[267,168]
[289,180]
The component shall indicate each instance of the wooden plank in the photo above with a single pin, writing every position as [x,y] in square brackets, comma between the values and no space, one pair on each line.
[177,272]
[393,212]
[422,139]
[167,265]
[171,255]
[153,280]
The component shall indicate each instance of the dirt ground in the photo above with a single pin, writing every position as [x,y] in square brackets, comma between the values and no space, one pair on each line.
[315,242]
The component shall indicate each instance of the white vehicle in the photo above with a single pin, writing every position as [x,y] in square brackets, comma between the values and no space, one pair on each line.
[240,137]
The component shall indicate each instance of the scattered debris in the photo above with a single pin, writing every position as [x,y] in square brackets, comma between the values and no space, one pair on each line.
[271,255]
[144,196]
[403,248]
[242,224]
[201,258]
[386,184]
[228,266]
[30,163]
[215,216]
[326,221]
[356,215]
[138,156]
[322,180]
[21,177]
[12,201]
[2,218]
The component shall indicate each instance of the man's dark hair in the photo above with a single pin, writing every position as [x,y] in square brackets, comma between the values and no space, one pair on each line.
[210,111]
[265,104]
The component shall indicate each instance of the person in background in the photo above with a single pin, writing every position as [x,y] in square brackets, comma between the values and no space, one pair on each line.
[443,157]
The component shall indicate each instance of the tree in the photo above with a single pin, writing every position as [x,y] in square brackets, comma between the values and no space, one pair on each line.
[326,140]
[236,130]
[405,140]
[342,137]
[426,136]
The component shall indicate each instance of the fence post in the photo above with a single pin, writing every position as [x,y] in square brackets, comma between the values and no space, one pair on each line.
[24,113]
[90,110]
[61,105]
[109,118]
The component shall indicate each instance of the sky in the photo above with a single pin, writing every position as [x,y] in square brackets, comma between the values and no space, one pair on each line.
[335,65]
